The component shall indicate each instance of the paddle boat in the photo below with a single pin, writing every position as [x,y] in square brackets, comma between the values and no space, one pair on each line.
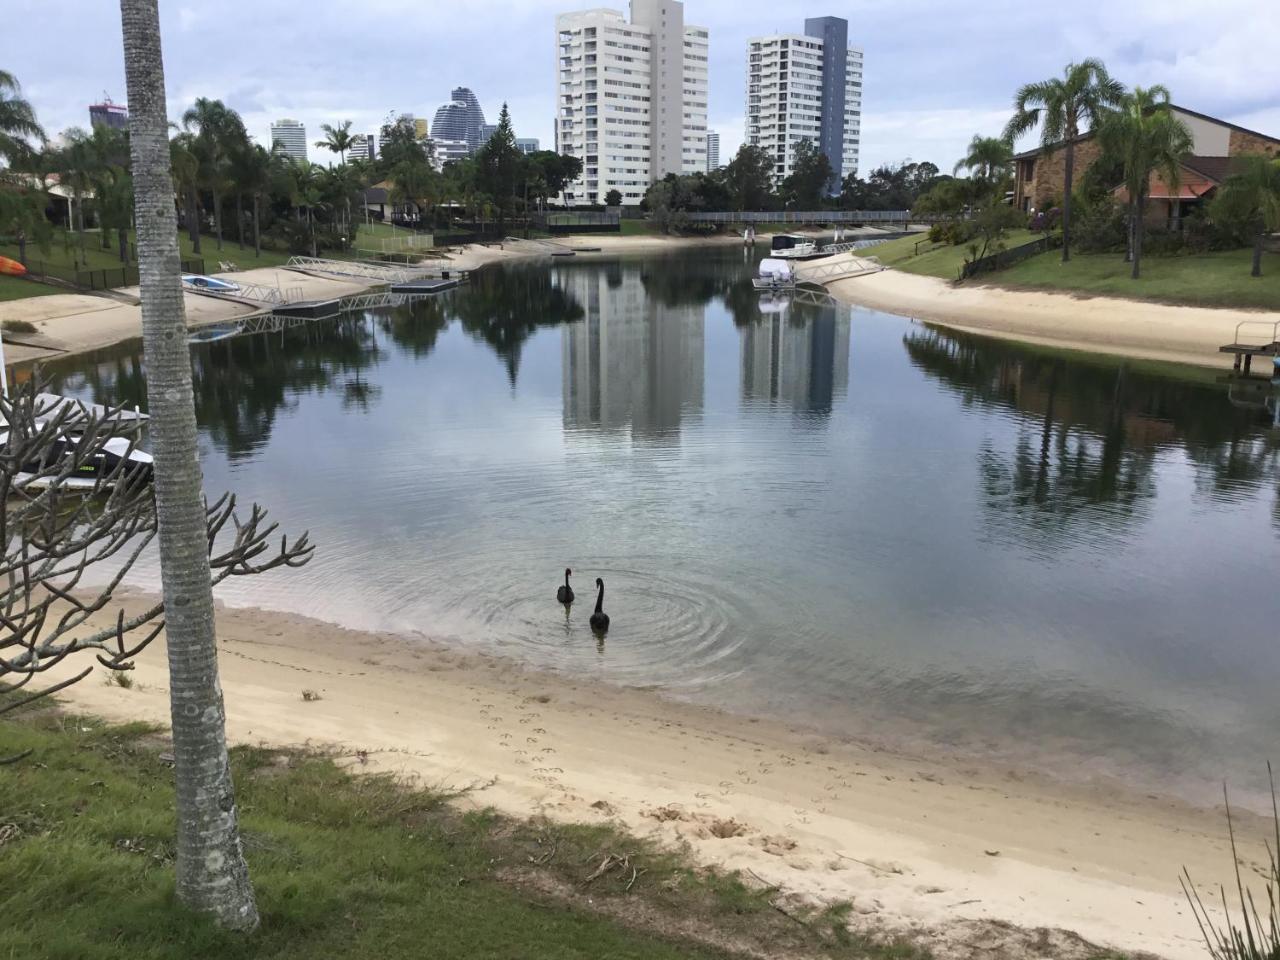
[794,246]
[12,268]
[198,281]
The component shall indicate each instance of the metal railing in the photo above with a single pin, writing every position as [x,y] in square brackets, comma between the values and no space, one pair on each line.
[1262,324]
[847,246]
[829,271]
[812,216]
[359,269]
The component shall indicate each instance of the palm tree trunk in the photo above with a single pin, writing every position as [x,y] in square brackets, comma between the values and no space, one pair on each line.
[22,247]
[240,219]
[122,237]
[1257,252]
[217,215]
[1066,197]
[257,237]
[193,218]
[211,872]
[1138,226]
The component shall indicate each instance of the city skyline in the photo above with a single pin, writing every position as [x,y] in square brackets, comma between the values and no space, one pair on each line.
[925,96]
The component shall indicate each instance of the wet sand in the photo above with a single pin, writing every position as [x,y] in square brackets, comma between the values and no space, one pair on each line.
[1133,328]
[916,842]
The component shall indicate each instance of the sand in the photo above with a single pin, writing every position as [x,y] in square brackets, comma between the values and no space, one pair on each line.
[68,324]
[1098,324]
[917,843]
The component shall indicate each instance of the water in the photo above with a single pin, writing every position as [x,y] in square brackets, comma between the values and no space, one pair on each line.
[848,519]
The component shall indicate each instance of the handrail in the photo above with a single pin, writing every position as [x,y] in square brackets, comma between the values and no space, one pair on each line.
[1275,329]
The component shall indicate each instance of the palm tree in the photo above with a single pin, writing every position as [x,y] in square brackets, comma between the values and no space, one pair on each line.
[1144,135]
[211,872]
[988,159]
[219,130]
[1059,106]
[186,176]
[253,173]
[1252,195]
[17,122]
[337,139]
[76,164]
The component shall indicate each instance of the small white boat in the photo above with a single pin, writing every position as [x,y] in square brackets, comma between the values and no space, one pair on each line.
[88,477]
[198,281]
[214,333]
[794,246]
[774,274]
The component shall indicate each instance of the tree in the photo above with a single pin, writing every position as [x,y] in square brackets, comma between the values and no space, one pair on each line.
[22,214]
[186,178]
[219,131]
[988,159]
[498,165]
[810,173]
[211,872]
[76,164]
[1251,194]
[18,123]
[749,179]
[337,139]
[53,534]
[1060,106]
[1142,136]
[613,198]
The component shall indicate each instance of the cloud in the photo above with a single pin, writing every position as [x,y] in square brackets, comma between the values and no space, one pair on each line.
[932,79]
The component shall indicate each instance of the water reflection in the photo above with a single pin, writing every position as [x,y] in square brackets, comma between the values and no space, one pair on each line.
[632,361]
[796,355]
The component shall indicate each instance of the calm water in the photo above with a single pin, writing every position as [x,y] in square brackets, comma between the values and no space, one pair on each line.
[846,518]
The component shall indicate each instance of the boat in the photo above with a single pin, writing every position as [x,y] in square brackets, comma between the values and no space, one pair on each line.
[88,478]
[774,274]
[11,267]
[214,333]
[198,281]
[794,246]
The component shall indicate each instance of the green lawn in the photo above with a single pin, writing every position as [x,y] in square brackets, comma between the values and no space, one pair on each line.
[16,288]
[1211,279]
[934,260]
[349,866]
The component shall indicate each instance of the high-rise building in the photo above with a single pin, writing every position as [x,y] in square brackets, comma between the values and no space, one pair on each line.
[362,147]
[631,97]
[806,87]
[290,137]
[713,151]
[460,119]
[443,151]
[527,144]
[108,114]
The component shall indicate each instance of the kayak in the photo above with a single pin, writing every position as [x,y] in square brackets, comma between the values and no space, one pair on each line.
[11,267]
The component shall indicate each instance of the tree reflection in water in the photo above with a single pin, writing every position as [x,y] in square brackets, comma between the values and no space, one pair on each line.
[1088,436]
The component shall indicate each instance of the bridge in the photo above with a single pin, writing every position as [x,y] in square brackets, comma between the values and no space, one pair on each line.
[860,218]
[829,270]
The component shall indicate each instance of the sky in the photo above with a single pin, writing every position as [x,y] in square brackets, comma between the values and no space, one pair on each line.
[936,73]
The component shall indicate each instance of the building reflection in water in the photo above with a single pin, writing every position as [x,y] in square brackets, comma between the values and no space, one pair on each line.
[631,362]
[796,355]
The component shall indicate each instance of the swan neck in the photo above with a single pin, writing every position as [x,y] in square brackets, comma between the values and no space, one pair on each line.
[600,599]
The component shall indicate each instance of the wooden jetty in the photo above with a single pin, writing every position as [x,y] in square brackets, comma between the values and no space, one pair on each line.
[1254,338]
[425,285]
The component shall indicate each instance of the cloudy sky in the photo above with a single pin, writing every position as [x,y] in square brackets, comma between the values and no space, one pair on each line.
[936,73]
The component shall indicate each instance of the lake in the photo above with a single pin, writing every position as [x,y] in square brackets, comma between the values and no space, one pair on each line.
[874,527]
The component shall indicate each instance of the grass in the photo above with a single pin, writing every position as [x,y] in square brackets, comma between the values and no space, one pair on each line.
[1218,279]
[934,260]
[16,288]
[349,866]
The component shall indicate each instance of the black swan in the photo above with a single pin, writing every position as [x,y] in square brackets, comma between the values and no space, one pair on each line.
[600,619]
[565,594]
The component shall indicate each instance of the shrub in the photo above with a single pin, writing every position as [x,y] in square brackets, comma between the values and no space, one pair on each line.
[954,232]
[1163,243]
[1100,228]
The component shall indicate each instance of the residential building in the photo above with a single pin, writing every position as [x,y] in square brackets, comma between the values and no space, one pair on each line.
[444,151]
[108,114]
[363,147]
[290,137]
[806,87]
[631,97]
[1039,174]
[460,119]
[527,144]
[487,130]
[713,151]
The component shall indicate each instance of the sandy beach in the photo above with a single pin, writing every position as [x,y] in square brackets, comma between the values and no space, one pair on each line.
[921,844]
[72,323]
[1099,324]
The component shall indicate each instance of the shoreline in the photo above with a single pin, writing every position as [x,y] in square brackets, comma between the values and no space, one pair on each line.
[80,323]
[926,845]
[1138,329]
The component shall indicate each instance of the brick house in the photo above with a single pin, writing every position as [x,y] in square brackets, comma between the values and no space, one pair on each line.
[1038,175]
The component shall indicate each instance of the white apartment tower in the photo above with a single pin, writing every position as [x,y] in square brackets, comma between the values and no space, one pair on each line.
[713,151]
[290,137]
[806,86]
[631,97]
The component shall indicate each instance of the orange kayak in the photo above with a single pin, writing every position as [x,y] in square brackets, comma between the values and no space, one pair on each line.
[12,267]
